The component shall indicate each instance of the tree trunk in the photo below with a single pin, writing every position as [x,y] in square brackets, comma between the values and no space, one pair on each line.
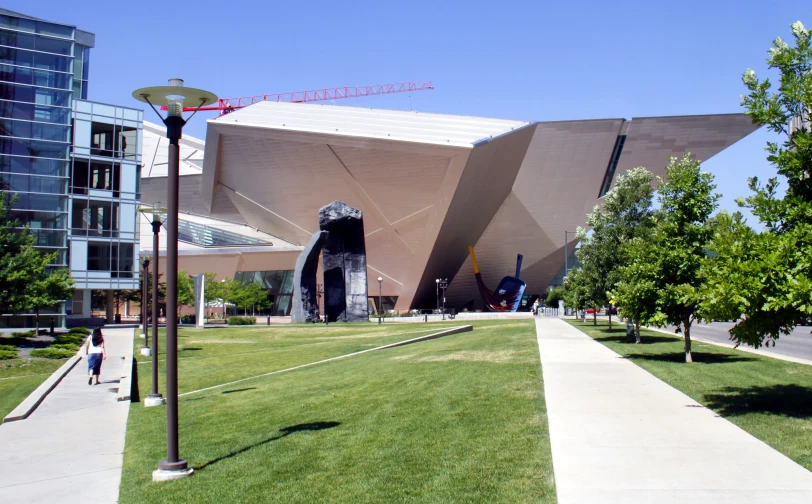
[610,322]
[687,328]
[36,323]
[595,316]
[637,333]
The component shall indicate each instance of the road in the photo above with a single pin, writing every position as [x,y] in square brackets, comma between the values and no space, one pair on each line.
[797,344]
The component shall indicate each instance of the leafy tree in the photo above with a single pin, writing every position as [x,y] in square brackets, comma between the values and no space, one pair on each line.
[577,292]
[249,295]
[626,214]
[186,290]
[28,283]
[667,265]
[12,243]
[767,277]
[555,294]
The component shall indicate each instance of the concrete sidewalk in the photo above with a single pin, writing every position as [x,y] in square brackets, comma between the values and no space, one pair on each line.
[70,449]
[620,435]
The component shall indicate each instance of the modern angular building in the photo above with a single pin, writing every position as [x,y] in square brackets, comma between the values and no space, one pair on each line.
[74,164]
[429,185]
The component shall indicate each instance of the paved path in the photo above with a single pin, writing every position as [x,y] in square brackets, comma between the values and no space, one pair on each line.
[70,449]
[620,435]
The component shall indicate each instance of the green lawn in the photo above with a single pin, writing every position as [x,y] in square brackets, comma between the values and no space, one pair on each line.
[455,419]
[20,377]
[769,398]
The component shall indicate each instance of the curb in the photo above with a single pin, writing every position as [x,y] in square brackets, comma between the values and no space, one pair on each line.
[731,346]
[35,398]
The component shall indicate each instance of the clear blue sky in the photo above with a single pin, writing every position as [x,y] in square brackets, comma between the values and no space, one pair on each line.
[535,60]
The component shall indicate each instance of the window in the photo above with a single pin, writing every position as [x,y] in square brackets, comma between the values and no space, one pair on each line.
[35,77]
[34,112]
[98,256]
[34,166]
[28,129]
[610,170]
[95,218]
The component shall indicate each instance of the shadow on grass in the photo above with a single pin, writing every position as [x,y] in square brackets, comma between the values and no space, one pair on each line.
[190,349]
[699,357]
[787,400]
[645,340]
[238,390]
[24,342]
[286,431]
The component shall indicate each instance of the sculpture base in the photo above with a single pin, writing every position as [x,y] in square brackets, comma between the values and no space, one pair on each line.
[154,400]
[146,352]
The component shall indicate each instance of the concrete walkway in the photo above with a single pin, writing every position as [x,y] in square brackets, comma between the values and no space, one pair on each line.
[70,449]
[620,435]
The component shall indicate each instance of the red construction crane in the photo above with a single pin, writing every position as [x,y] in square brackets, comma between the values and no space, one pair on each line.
[226,105]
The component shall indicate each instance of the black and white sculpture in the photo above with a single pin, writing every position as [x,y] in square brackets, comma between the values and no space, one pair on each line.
[341,242]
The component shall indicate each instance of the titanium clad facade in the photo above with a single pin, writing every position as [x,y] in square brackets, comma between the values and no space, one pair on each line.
[430,185]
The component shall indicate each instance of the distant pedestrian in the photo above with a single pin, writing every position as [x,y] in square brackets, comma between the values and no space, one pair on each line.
[96,353]
[536,307]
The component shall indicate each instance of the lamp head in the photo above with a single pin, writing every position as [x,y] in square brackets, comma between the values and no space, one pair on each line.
[380,279]
[437,280]
[174,96]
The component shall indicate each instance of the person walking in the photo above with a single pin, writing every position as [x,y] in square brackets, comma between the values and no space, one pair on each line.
[535,309]
[96,353]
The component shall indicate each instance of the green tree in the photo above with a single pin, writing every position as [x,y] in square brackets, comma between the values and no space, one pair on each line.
[12,243]
[577,292]
[667,264]
[766,278]
[626,214]
[186,290]
[553,296]
[250,295]
[28,283]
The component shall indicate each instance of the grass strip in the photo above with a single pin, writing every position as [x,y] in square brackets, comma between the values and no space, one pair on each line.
[454,419]
[769,398]
[20,377]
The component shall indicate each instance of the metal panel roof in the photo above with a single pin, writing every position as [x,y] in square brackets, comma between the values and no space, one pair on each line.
[420,127]
[154,152]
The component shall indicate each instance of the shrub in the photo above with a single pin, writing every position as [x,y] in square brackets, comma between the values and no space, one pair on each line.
[26,334]
[79,330]
[241,321]
[52,353]
[8,352]
[65,346]
[70,339]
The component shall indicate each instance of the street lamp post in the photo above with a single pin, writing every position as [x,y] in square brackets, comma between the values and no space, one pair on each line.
[380,298]
[442,283]
[145,304]
[173,97]
[437,281]
[154,398]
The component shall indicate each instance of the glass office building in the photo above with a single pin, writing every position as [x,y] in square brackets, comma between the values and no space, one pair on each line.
[44,68]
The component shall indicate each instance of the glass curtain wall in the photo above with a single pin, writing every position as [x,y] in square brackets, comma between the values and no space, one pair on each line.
[36,89]
[278,284]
